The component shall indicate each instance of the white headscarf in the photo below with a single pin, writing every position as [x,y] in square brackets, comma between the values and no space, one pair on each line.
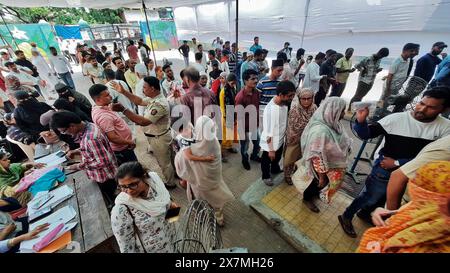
[325,137]
[154,207]
[205,179]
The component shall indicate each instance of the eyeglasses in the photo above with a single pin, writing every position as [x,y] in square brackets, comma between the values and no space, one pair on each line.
[131,186]
[309,98]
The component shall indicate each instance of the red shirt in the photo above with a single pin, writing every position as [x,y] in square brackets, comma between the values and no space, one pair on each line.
[245,100]
[133,52]
[215,86]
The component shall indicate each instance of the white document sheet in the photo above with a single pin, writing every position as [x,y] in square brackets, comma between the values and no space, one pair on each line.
[63,215]
[52,159]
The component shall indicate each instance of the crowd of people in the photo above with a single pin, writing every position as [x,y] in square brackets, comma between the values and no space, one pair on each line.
[290,110]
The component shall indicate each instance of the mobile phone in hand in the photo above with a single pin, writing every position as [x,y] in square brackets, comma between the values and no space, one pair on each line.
[173,214]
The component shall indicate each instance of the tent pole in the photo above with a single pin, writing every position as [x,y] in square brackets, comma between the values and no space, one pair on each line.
[237,38]
[5,41]
[306,20]
[196,23]
[10,33]
[148,28]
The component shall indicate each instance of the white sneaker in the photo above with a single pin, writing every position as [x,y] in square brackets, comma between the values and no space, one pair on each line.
[268,181]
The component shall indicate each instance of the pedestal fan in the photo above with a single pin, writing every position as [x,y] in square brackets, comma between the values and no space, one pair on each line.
[198,231]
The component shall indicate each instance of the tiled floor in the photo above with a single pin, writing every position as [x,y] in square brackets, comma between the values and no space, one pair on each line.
[324,227]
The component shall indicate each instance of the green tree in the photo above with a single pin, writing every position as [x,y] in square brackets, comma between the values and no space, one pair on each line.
[65,16]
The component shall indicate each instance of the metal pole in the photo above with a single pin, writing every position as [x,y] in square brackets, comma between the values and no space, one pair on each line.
[10,33]
[94,41]
[148,28]
[237,39]
[5,41]
[306,20]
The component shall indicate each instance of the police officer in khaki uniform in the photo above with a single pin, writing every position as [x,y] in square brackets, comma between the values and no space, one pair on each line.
[156,123]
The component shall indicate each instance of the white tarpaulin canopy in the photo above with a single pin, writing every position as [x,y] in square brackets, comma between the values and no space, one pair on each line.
[102,4]
[365,25]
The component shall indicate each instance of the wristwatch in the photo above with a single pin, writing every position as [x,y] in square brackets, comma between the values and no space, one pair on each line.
[397,163]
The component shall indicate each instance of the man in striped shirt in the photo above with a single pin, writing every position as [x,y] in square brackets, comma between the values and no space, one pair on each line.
[97,156]
[267,86]
[235,58]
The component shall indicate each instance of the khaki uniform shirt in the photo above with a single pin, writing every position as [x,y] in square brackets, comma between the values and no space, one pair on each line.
[157,111]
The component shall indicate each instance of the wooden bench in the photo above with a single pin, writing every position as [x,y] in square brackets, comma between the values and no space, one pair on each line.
[93,232]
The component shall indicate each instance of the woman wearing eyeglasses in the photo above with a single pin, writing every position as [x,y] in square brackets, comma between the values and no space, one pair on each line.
[138,217]
[302,109]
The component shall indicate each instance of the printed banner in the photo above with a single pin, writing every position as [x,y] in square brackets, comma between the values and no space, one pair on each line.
[24,34]
[164,34]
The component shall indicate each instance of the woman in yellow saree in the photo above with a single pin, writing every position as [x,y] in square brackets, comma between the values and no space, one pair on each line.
[422,225]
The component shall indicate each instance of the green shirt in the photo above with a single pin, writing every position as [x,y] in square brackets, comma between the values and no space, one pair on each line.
[343,64]
[12,176]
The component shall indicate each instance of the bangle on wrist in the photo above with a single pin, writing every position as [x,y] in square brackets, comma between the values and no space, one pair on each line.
[123,112]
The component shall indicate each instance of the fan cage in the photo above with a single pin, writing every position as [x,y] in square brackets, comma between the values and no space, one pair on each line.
[198,231]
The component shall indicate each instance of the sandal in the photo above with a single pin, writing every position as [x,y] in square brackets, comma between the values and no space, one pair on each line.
[288,180]
[347,226]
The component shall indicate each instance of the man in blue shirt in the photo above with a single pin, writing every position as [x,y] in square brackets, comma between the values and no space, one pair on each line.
[427,63]
[442,78]
[256,45]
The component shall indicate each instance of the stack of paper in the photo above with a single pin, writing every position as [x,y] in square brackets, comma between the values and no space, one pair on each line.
[61,216]
[52,159]
[37,207]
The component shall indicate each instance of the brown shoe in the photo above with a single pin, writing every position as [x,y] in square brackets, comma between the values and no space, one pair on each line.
[311,206]
[347,226]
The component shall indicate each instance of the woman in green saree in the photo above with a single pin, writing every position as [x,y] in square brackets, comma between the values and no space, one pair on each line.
[10,175]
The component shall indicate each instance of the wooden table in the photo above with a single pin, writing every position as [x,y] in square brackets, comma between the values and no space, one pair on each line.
[93,231]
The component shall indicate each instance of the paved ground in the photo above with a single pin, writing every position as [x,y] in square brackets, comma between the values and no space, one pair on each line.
[244,227]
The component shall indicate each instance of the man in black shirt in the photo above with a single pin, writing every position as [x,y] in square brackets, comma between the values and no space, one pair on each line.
[120,73]
[184,50]
[426,65]
[327,68]
[22,61]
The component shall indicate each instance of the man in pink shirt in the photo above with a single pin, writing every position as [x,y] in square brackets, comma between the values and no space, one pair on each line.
[113,126]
